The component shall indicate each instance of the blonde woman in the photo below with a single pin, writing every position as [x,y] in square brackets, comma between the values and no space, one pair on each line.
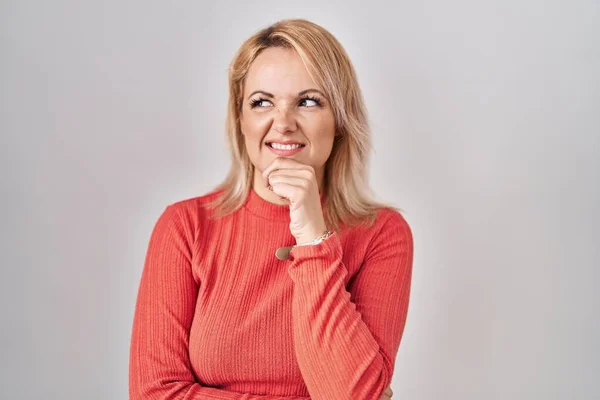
[287,281]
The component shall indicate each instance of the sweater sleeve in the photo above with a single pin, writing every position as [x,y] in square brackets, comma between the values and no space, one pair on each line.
[159,365]
[346,340]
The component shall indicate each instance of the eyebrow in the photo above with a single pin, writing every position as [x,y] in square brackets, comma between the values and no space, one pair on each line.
[299,93]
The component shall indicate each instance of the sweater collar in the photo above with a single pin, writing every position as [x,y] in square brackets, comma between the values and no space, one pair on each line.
[265,209]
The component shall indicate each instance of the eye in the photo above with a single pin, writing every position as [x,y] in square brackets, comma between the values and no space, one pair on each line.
[258,103]
[307,101]
[310,101]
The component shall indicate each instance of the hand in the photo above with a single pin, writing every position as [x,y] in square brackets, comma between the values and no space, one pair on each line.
[387,394]
[297,183]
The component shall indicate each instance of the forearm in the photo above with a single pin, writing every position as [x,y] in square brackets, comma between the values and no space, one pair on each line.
[346,340]
[194,391]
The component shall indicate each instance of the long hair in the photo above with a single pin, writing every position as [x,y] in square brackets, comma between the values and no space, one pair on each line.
[348,198]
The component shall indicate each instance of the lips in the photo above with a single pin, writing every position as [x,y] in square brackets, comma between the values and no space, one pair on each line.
[285,143]
[285,152]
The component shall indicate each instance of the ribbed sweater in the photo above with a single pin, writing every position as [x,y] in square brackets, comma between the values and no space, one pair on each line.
[218,316]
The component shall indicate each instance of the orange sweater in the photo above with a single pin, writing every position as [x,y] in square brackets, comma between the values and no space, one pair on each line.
[218,316]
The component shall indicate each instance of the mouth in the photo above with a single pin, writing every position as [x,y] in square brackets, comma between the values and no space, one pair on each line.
[285,150]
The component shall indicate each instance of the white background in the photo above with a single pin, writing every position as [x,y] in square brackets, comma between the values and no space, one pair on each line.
[486,131]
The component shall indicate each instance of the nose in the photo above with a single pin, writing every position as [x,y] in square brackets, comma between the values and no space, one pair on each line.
[284,120]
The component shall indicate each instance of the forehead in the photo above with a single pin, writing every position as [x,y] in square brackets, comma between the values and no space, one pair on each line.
[278,71]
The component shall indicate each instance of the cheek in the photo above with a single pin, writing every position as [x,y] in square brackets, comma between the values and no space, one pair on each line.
[254,127]
[254,130]
[322,133]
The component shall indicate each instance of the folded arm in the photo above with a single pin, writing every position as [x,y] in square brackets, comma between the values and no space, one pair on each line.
[159,365]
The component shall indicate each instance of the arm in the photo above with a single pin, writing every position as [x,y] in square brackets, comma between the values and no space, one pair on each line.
[346,349]
[159,365]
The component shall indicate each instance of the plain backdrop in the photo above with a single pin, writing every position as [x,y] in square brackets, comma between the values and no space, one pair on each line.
[486,132]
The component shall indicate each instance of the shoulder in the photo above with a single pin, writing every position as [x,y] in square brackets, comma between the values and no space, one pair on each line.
[389,219]
[186,217]
[391,230]
[184,222]
[193,208]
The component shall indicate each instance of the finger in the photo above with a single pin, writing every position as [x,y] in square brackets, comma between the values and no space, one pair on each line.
[304,172]
[289,171]
[384,397]
[388,391]
[293,173]
[285,163]
[273,180]
[288,191]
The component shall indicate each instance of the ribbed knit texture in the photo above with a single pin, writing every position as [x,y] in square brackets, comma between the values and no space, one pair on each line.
[218,316]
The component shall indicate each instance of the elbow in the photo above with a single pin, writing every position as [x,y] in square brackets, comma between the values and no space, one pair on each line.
[159,389]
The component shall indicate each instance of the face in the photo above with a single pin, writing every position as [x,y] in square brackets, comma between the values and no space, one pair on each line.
[281,103]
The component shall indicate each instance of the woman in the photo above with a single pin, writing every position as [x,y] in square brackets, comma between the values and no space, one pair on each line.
[286,281]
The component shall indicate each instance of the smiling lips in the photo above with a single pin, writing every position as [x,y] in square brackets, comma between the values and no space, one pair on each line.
[285,149]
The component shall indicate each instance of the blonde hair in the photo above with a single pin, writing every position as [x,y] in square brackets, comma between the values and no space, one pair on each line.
[347,193]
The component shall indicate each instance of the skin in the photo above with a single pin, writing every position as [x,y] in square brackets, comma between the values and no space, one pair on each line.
[288,116]
[282,113]
[387,394]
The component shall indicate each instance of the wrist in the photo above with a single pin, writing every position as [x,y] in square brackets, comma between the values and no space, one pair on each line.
[283,253]
[309,235]
[325,233]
